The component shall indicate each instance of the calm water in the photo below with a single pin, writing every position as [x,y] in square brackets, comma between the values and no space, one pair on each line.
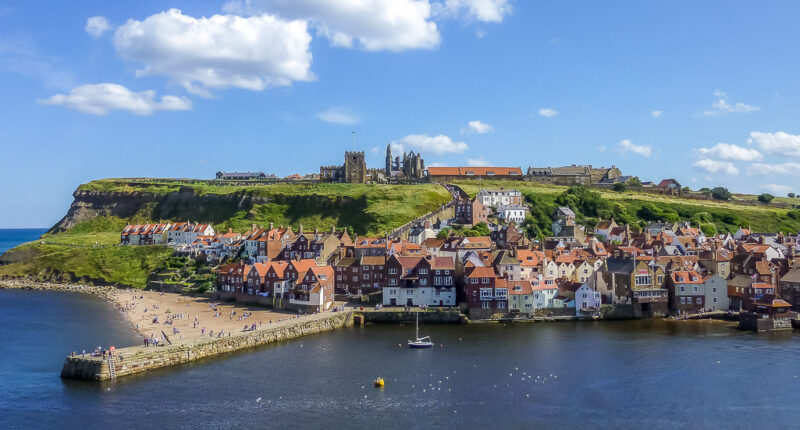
[642,374]
[10,238]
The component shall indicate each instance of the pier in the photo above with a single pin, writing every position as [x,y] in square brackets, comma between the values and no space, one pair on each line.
[138,359]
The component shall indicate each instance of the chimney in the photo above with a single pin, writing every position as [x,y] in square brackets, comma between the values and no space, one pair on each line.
[333,229]
[316,231]
[254,227]
[300,229]
[271,225]
[230,230]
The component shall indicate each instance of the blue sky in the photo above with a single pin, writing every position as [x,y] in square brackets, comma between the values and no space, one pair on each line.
[705,92]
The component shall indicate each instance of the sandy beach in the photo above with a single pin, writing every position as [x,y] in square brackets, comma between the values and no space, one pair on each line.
[179,317]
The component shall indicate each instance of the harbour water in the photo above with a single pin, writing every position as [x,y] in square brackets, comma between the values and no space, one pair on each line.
[626,374]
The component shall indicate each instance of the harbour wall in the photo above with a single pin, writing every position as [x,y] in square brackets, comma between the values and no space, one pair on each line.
[428,316]
[138,359]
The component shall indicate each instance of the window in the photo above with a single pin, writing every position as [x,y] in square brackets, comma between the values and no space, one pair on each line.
[423,271]
[501,305]
[683,300]
[423,281]
[473,281]
[715,300]
[643,280]
[714,290]
[486,305]
[437,280]
[695,288]
[699,300]
[484,280]
[365,276]
[392,271]
[486,293]
[392,281]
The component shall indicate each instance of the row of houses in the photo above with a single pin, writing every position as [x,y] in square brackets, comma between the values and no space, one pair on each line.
[662,269]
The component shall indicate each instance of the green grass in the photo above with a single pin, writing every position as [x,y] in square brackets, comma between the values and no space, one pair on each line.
[366,208]
[117,265]
[762,218]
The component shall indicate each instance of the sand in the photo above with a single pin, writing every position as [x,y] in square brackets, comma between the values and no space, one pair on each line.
[177,312]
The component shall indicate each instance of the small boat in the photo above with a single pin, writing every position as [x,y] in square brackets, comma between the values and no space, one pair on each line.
[379,383]
[421,342]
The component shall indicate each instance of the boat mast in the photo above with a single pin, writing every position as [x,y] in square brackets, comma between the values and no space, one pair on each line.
[417,325]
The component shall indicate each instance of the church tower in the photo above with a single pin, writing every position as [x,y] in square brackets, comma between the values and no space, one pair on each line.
[388,161]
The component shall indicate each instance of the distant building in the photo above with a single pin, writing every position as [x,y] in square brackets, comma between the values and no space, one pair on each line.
[444,174]
[499,196]
[573,175]
[353,171]
[411,166]
[242,176]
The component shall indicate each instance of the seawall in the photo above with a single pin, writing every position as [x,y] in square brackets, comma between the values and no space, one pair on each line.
[138,359]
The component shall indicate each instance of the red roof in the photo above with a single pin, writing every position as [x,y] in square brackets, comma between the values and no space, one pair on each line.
[474,171]
[481,272]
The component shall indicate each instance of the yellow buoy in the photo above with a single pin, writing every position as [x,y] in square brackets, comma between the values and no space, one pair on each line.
[379,382]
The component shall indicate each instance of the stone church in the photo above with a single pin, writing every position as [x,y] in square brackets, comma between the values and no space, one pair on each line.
[412,166]
[354,170]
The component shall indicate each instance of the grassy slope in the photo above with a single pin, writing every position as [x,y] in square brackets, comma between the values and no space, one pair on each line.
[371,209]
[760,218]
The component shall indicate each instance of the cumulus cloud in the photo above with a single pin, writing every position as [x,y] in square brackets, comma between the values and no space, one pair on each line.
[548,112]
[477,127]
[724,151]
[626,146]
[337,115]
[376,25]
[722,107]
[776,188]
[478,10]
[476,162]
[96,26]
[779,143]
[436,145]
[656,113]
[714,166]
[220,51]
[101,99]
[789,168]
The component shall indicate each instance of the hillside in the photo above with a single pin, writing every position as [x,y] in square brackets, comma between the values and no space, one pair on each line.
[82,246]
[639,207]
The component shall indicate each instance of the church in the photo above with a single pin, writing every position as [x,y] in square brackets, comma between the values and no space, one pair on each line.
[411,167]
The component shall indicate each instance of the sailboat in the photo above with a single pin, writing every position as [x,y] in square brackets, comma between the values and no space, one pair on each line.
[421,342]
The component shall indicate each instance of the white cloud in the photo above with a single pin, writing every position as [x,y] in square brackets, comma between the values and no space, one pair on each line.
[475,162]
[714,166]
[101,99]
[721,107]
[377,25]
[777,189]
[792,169]
[643,150]
[777,143]
[479,10]
[656,113]
[548,112]
[220,51]
[724,151]
[337,115]
[97,25]
[477,127]
[436,145]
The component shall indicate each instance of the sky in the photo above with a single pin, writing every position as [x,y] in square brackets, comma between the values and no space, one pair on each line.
[703,92]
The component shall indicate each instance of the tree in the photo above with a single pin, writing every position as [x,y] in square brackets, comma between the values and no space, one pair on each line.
[721,193]
[765,198]
[701,218]
[443,233]
[709,229]
[635,182]
[791,195]
[620,187]
[480,229]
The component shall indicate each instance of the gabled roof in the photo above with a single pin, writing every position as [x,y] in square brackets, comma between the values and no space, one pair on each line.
[481,272]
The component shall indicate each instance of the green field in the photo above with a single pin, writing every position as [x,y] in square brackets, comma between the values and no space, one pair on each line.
[89,251]
[725,216]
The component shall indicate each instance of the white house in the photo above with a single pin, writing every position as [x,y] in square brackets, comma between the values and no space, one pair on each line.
[544,291]
[512,213]
[499,197]
[586,299]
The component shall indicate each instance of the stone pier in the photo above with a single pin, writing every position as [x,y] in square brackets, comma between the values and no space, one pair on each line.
[138,359]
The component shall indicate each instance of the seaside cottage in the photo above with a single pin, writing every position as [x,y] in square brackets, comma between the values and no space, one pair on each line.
[419,281]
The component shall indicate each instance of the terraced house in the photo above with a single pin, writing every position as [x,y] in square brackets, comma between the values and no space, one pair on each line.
[419,281]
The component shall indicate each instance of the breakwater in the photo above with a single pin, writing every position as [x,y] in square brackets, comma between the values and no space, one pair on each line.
[138,359]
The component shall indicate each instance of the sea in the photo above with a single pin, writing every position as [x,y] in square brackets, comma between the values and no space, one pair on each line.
[651,374]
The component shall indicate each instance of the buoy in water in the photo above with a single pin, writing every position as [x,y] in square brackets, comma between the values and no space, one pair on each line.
[379,383]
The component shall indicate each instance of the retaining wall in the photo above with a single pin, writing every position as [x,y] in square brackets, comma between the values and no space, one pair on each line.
[133,360]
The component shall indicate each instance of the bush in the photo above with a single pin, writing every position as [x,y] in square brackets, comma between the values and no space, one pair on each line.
[721,193]
[765,198]
[709,229]
[794,214]
[620,187]
[701,218]
[791,195]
